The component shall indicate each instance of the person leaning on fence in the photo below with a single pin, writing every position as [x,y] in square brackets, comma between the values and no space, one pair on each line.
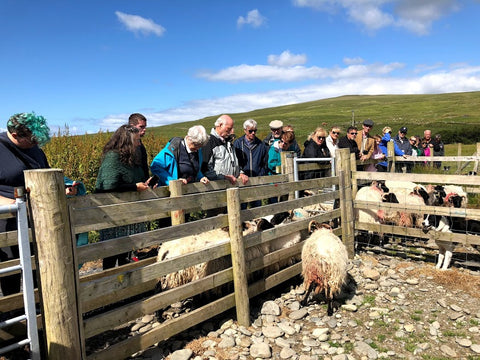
[120,171]
[316,147]
[19,150]
[348,142]
[332,140]
[383,145]
[220,161]
[140,122]
[275,158]
[181,158]
[376,155]
[252,154]
[275,132]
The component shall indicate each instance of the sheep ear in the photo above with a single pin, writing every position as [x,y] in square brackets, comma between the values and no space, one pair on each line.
[312,226]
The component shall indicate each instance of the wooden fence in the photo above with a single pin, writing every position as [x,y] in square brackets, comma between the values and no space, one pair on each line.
[67,297]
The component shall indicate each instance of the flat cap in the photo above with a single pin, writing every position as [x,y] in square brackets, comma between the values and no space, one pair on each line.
[368,122]
[403,129]
[275,124]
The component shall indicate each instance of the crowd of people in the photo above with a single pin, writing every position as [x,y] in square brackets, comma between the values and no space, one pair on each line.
[197,156]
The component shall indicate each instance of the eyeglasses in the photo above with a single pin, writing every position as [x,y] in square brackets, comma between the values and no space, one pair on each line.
[353,133]
[252,131]
[368,126]
[321,137]
[336,132]
[284,142]
[275,130]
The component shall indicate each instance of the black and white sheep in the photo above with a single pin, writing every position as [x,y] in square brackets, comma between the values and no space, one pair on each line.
[324,264]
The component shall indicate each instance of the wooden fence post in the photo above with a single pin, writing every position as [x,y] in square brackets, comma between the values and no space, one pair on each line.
[353,168]
[58,273]
[242,301]
[391,155]
[459,153]
[176,190]
[346,201]
[287,159]
[475,168]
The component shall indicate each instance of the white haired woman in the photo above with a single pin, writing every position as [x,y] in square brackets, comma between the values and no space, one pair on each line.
[181,158]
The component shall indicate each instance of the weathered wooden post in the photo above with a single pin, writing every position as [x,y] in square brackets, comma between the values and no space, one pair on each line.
[459,154]
[353,168]
[287,158]
[342,159]
[176,190]
[58,273]
[391,155]
[475,167]
[242,301]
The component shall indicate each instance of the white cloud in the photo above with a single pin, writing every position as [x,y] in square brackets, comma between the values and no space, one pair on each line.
[286,58]
[413,15]
[251,73]
[253,18]
[353,61]
[359,80]
[138,24]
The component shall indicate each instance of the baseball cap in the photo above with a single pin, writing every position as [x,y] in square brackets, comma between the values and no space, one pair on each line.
[403,129]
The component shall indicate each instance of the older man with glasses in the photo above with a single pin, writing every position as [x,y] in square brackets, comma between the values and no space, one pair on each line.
[252,153]
[349,142]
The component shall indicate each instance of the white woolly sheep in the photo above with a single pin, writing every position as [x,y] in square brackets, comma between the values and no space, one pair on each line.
[369,193]
[324,265]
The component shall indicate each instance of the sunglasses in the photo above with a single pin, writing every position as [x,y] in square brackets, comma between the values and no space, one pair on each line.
[368,126]
[250,131]
[353,133]
[336,132]
[321,137]
[285,142]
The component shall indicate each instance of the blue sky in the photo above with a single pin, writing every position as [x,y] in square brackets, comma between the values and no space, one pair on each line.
[89,64]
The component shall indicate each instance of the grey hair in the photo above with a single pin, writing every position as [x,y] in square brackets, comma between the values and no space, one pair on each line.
[198,135]
[250,123]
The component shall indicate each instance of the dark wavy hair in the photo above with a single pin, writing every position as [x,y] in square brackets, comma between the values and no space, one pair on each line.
[122,142]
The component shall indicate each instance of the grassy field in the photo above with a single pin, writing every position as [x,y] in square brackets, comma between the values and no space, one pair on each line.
[456,116]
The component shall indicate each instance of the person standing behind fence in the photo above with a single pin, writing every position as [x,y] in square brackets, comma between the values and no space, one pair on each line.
[365,142]
[252,154]
[383,145]
[220,161]
[348,142]
[140,122]
[19,151]
[316,147]
[181,158]
[120,171]
[438,150]
[332,140]
[404,145]
[376,155]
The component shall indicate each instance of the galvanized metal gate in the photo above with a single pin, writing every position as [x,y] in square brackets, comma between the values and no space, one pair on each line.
[25,266]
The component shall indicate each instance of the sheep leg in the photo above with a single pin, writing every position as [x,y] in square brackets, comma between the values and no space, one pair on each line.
[309,290]
[329,306]
[441,256]
[447,260]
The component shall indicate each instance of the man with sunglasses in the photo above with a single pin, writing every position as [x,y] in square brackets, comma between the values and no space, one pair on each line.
[252,154]
[349,142]
[365,142]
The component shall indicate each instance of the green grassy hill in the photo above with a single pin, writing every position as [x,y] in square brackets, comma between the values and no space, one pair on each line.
[456,115]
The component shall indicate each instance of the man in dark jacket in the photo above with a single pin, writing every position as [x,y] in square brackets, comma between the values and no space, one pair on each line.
[404,145]
[252,153]
[438,150]
[349,142]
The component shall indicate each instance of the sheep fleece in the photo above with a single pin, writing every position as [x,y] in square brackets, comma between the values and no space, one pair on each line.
[324,262]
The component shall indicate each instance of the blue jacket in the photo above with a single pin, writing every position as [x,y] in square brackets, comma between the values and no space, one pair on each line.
[165,164]
[383,146]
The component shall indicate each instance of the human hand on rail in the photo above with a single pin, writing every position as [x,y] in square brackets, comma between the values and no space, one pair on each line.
[243,178]
[204,180]
[141,186]
[231,178]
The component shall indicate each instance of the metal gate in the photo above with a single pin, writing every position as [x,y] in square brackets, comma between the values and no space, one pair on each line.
[25,266]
